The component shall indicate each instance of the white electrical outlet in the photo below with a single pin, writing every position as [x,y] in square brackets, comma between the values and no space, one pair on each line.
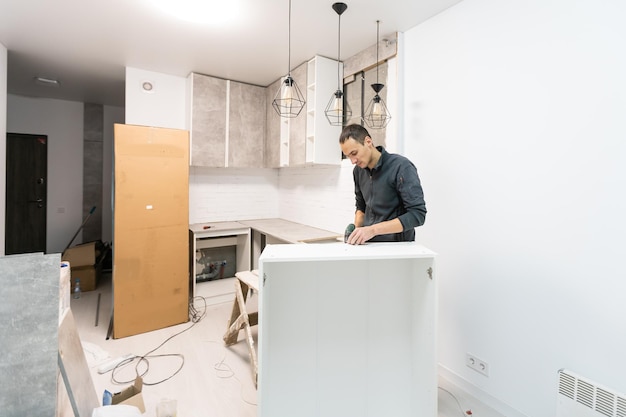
[477,364]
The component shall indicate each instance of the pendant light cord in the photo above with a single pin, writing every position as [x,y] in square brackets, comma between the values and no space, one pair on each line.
[377,36]
[339,54]
[289,43]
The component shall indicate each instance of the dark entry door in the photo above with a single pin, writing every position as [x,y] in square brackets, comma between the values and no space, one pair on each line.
[26,192]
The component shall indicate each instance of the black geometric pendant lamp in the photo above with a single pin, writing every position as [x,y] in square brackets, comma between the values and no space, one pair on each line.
[337,111]
[377,115]
[289,101]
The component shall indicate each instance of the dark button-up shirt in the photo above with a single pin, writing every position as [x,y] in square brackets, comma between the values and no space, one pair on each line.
[390,190]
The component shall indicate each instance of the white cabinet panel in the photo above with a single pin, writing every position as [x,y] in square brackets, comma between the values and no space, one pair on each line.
[322,138]
[347,330]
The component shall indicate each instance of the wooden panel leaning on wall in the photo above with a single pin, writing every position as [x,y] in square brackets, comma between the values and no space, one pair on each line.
[151,220]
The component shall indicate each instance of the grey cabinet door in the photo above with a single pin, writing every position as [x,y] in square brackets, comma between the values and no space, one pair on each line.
[208,121]
[246,127]
[272,128]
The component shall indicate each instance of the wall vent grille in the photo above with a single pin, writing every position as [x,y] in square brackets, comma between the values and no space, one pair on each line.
[621,407]
[580,397]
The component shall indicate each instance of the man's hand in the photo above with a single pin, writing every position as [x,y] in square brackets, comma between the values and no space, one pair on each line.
[365,233]
[361,235]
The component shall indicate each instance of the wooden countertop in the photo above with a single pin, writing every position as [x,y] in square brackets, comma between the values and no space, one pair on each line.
[218,228]
[291,232]
[285,230]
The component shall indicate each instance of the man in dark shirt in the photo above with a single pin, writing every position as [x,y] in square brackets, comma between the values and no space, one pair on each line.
[389,197]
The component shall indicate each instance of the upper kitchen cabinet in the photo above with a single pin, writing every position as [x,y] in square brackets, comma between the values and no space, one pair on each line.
[246,125]
[285,145]
[227,123]
[322,139]
[296,129]
[307,139]
[208,121]
[272,128]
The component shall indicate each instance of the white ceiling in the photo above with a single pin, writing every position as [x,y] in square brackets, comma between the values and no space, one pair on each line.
[87,44]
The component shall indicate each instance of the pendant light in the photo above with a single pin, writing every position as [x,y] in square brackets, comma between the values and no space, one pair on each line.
[377,115]
[335,111]
[289,101]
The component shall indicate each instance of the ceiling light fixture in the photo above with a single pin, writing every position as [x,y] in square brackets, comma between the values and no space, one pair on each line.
[288,101]
[211,13]
[147,86]
[377,115]
[50,82]
[337,111]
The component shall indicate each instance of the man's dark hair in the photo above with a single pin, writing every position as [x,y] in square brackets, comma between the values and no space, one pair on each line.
[354,131]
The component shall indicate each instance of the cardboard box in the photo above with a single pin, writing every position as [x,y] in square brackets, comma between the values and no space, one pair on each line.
[81,255]
[131,396]
[86,264]
[88,276]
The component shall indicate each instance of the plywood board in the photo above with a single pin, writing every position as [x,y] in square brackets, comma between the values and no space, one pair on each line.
[151,242]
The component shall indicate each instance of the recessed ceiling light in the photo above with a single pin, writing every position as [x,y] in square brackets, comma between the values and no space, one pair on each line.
[147,86]
[201,11]
[51,82]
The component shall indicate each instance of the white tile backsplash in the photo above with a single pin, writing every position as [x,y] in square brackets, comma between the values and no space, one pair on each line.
[319,196]
[224,194]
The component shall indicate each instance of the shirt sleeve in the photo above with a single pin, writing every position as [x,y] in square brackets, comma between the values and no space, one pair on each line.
[412,196]
[358,195]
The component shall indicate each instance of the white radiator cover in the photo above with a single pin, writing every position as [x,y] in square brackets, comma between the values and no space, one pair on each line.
[580,397]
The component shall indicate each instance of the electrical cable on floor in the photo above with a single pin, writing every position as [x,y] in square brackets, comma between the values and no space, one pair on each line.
[223,367]
[464,413]
[224,371]
[195,317]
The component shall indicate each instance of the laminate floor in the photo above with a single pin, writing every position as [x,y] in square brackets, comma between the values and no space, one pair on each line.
[186,362]
[189,362]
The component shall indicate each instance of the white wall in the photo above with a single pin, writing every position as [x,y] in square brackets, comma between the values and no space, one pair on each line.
[515,117]
[62,122]
[3,141]
[165,106]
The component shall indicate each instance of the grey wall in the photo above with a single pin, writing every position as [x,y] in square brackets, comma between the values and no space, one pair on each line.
[29,329]
[92,170]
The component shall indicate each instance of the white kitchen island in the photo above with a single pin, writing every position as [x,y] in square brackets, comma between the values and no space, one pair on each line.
[347,331]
